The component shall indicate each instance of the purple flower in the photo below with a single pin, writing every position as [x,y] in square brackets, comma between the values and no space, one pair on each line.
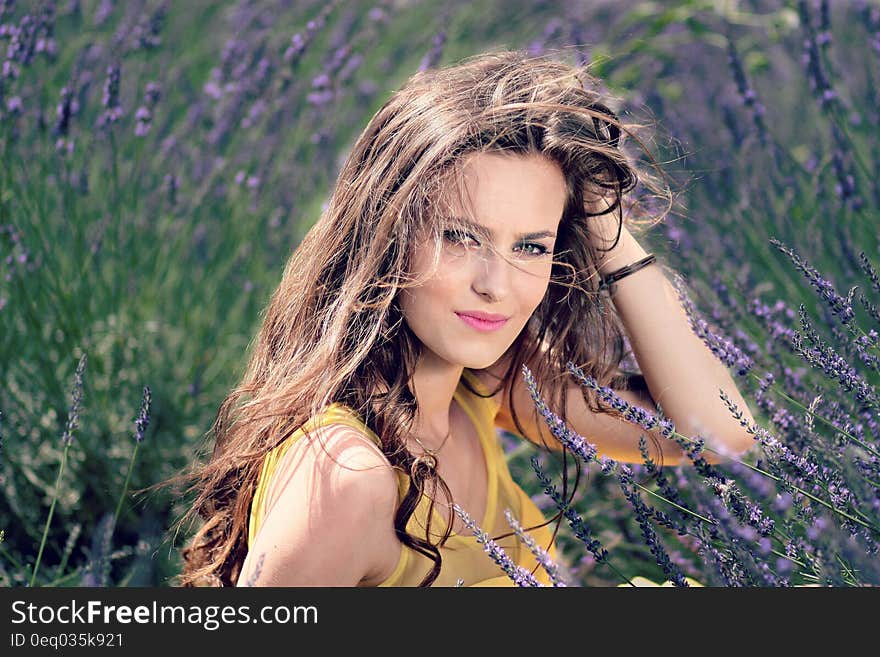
[519,575]
[835,367]
[66,108]
[839,305]
[783,565]
[558,428]
[143,118]
[540,554]
[301,40]
[643,514]
[143,418]
[747,93]
[73,412]
[14,105]
[152,93]
[102,13]
[432,57]
[110,100]
[631,413]
[581,530]
[10,70]
[740,506]
[723,348]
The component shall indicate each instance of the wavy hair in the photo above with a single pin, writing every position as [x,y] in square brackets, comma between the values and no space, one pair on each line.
[333,329]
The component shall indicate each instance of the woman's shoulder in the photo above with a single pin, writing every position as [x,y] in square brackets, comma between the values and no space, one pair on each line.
[325,495]
[337,450]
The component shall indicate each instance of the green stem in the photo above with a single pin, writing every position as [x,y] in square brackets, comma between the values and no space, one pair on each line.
[847,570]
[780,392]
[125,487]
[775,478]
[617,572]
[785,556]
[58,581]
[113,211]
[51,511]
[815,499]
[660,497]
[15,562]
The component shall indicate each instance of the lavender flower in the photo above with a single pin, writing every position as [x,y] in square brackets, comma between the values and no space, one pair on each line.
[630,412]
[146,34]
[723,348]
[518,574]
[73,413]
[102,13]
[144,114]
[143,118]
[301,40]
[143,419]
[579,527]
[741,506]
[541,555]
[839,305]
[824,357]
[577,444]
[812,61]
[432,57]
[65,110]
[110,101]
[747,93]
[866,266]
[643,513]
[14,105]
[868,306]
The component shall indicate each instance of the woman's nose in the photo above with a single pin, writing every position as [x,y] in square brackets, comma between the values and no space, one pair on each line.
[491,276]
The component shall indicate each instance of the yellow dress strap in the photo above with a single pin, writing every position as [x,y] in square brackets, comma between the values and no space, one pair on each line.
[335,413]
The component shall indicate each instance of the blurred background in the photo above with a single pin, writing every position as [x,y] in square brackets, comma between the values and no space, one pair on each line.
[160,161]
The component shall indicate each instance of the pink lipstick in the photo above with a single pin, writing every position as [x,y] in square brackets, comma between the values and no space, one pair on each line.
[482,324]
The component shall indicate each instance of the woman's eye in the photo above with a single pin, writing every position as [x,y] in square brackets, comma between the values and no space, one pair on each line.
[460,238]
[540,249]
[457,237]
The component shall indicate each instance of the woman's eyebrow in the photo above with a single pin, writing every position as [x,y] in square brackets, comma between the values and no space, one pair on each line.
[480,228]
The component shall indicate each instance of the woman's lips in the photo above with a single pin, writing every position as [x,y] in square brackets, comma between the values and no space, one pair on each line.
[481,324]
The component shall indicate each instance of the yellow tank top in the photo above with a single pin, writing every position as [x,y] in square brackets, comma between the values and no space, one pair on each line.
[463,557]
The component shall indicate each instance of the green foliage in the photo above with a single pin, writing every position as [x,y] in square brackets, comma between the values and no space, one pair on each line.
[154,255]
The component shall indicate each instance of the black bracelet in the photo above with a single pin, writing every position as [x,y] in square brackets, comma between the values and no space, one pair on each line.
[613,277]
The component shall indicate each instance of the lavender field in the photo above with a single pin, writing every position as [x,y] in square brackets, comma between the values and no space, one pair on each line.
[160,161]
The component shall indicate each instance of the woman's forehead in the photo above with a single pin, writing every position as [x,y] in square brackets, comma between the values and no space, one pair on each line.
[508,192]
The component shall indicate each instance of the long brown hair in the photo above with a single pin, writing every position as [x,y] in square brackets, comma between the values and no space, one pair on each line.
[333,330]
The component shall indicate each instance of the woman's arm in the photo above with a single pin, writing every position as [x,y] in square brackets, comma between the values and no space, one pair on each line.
[327,523]
[680,371]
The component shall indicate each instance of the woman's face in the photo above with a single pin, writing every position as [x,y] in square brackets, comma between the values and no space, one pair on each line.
[502,266]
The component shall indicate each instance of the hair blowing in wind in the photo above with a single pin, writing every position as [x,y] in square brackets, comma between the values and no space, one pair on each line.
[333,329]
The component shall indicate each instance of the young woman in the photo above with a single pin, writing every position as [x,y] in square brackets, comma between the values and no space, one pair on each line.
[477,226]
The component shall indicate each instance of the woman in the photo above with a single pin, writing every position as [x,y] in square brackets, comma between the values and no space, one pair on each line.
[476,226]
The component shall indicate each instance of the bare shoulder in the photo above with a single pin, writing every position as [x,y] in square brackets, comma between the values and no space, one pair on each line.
[339,453]
[329,513]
